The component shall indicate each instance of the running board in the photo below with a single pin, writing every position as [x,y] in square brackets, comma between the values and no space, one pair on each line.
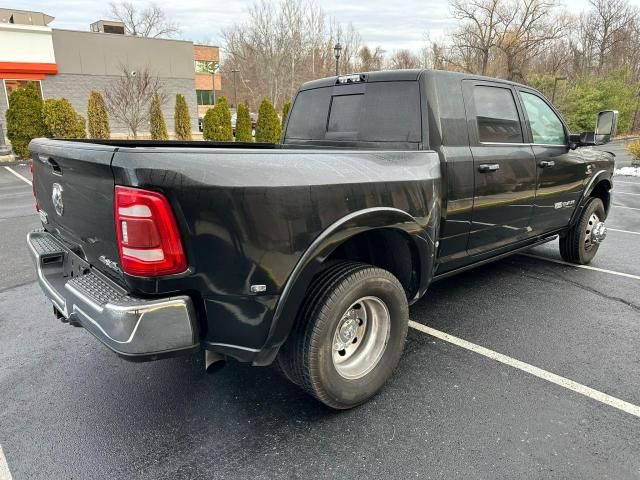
[471,266]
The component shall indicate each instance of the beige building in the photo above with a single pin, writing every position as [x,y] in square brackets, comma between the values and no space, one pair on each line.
[70,64]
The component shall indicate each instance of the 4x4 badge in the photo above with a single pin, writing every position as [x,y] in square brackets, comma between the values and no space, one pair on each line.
[56,197]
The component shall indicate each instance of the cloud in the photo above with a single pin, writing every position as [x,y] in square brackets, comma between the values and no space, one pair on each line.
[391,25]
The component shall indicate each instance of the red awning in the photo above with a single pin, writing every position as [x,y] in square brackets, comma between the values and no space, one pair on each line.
[27,71]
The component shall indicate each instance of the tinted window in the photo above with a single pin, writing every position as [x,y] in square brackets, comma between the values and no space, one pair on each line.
[546,127]
[385,112]
[345,112]
[497,115]
[308,117]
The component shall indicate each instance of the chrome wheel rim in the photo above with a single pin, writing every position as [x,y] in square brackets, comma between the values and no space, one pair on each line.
[594,233]
[361,338]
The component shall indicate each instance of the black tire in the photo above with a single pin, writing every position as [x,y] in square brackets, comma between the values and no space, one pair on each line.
[572,246]
[307,357]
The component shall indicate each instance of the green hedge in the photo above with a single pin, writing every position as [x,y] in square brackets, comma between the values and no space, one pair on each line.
[156,119]
[98,119]
[285,113]
[61,120]
[243,124]
[182,119]
[216,124]
[580,99]
[268,128]
[24,118]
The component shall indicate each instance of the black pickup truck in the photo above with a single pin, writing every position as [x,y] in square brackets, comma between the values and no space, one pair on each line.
[307,254]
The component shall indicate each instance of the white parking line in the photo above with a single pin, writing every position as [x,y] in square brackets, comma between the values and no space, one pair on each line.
[622,231]
[5,473]
[630,183]
[24,179]
[629,208]
[535,371]
[586,267]
[618,192]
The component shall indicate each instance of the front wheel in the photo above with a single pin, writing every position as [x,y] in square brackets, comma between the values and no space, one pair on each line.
[349,335]
[582,241]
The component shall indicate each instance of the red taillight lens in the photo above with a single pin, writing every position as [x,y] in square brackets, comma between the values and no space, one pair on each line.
[33,186]
[148,235]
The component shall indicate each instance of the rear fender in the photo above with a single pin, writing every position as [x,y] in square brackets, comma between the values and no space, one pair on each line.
[311,262]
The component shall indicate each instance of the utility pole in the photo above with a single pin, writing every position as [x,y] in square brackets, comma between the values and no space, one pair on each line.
[235,89]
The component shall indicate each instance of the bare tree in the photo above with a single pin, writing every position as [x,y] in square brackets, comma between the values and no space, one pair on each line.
[529,26]
[403,59]
[150,21]
[282,45]
[608,22]
[128,98]
[370,61]
[480,33]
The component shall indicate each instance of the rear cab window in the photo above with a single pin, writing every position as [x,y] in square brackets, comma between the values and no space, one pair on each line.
[361,112]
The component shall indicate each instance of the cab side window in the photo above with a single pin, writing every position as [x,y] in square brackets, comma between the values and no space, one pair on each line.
[496,115]
[546,127]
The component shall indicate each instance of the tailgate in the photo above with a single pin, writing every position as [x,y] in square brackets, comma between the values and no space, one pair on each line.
[77,177]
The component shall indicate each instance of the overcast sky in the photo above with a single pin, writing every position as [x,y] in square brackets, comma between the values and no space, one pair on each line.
[392,24]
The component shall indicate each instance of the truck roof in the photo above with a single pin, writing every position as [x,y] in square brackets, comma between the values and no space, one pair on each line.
[402,75]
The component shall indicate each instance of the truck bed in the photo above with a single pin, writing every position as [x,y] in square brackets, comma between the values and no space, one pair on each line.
[246,213]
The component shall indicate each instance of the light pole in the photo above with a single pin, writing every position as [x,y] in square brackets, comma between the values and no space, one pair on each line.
[235,88]
[555,84]
[337,50]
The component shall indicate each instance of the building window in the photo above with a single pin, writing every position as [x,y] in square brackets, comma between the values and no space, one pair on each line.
[11,85]
[207,66]
[206,97]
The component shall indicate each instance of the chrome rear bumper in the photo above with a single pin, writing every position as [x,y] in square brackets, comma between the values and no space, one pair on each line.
[134,328]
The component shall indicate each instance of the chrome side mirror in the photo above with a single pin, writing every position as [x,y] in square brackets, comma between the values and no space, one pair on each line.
[606,126]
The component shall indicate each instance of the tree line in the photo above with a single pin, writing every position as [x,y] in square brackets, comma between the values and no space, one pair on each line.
[585,61]
[133,103]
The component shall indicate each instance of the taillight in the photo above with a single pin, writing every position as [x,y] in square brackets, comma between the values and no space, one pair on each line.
[148,235]
[33,187]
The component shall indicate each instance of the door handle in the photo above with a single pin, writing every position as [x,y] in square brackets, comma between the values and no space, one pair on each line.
[488,167]
[546,163]
[54,166]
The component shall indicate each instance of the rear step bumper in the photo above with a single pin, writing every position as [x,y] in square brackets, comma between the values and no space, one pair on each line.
[137,329]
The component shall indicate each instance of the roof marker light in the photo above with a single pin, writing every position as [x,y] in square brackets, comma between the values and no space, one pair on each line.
[344,79]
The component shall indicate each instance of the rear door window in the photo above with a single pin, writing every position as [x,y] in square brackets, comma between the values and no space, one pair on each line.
[496,115]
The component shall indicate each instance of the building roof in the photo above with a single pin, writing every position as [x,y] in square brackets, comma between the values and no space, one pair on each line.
[25,17]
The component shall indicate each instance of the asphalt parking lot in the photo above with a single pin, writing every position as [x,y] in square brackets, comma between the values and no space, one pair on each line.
[71,409]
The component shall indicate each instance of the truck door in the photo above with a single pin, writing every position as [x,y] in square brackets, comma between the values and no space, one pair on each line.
[504,167]
[560,170]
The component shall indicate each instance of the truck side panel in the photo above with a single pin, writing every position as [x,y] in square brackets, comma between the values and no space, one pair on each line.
[247,217]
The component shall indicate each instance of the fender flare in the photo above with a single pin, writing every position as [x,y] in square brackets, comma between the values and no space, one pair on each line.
[597,179]
[310,263]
